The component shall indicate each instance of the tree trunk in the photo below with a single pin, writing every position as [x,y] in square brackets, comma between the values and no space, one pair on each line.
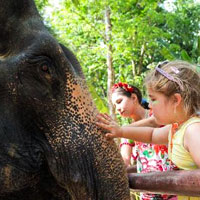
[140,64]
[109,60]
[133,68]
[111,74]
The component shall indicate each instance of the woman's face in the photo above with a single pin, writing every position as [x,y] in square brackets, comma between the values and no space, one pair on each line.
[123,105]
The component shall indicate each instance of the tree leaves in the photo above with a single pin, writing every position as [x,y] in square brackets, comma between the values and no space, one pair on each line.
[143,32]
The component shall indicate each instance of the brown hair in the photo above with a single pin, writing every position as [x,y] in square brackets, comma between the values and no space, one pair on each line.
[126,90]
[185,81]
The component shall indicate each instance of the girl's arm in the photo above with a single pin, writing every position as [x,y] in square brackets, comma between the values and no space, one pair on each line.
[192,142]
[142,134]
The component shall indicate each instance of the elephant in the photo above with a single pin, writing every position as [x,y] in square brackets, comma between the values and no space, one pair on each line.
[50,146]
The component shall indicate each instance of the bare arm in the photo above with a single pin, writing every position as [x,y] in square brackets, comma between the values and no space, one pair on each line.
[126,151]
[146,134]
[192,142]
[150,122]
[142,134]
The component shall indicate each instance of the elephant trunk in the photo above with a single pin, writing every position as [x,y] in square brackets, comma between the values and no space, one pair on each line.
[82,155]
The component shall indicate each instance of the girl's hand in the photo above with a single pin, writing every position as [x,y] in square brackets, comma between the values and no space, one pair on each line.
[107,123]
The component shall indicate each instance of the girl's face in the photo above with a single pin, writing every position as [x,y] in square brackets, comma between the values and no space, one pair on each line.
[124,105]
[162,106]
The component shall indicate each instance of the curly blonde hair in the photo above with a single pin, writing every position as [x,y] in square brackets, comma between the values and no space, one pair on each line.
[178,77]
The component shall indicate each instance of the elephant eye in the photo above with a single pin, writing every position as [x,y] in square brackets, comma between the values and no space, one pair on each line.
[45,68]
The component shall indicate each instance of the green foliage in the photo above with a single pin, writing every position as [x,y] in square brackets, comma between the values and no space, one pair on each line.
[41,4]
[101,105]
[143,32]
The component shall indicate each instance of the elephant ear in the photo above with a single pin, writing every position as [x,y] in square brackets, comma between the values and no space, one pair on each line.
[19,19]
[71,58]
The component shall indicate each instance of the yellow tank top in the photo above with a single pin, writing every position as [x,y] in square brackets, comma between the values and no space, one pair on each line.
[179,155]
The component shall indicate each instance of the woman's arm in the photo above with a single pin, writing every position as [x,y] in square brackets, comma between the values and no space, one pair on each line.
[150,122]
[126,151]
[142,134]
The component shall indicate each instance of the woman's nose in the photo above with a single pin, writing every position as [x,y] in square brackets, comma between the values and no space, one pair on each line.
[118,108]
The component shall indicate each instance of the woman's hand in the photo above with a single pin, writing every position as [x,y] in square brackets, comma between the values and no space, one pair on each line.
[107,123]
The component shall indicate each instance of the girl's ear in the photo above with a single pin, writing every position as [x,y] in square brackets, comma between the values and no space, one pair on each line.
[177,99]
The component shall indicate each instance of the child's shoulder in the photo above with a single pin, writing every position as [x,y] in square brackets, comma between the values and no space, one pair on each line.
[193,127]
[192,137]
[191,122]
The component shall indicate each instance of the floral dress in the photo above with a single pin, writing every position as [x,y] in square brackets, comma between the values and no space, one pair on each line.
[151,158]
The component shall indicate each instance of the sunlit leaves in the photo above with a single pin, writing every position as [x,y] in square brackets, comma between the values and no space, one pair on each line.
[143,32]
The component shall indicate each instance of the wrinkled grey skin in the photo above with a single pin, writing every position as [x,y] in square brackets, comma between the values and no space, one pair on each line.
[50,147]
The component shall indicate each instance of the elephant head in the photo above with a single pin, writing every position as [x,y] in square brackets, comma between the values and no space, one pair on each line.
[50,147]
